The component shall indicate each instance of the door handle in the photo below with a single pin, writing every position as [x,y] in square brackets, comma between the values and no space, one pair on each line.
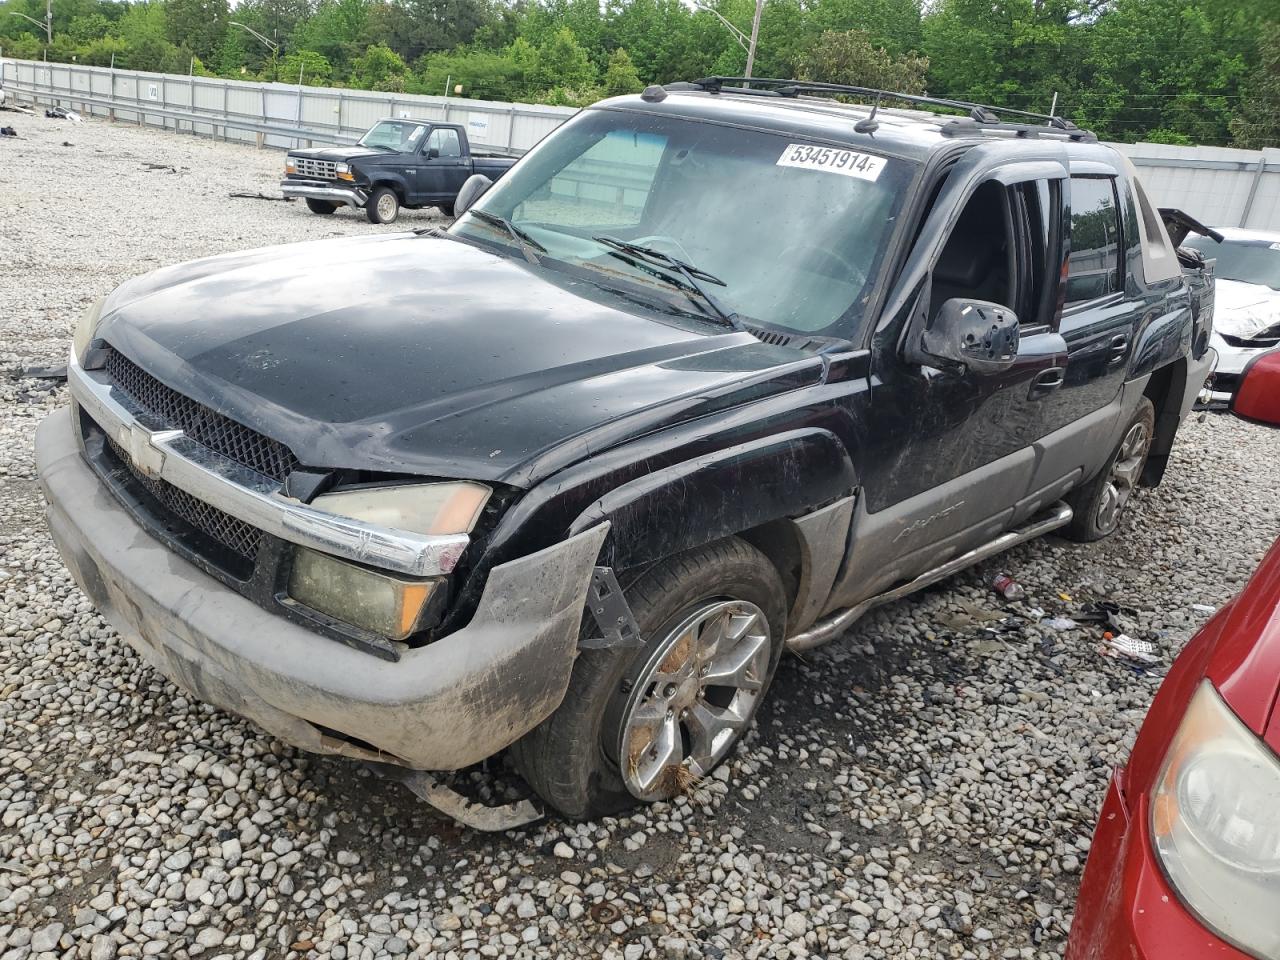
[1117,348]
[1046,381]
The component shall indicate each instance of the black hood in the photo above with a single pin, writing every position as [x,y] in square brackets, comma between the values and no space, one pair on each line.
[426,355]
[338,154]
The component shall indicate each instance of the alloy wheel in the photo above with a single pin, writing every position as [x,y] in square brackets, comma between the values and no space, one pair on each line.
[694,697]
[1124,476]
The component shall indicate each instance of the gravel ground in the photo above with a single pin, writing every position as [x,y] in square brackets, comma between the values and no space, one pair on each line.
[925,787]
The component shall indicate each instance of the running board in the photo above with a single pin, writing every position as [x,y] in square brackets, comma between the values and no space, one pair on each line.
[1059,515]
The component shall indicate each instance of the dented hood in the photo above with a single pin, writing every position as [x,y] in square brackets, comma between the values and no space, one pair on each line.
[1244,309]
[425,355]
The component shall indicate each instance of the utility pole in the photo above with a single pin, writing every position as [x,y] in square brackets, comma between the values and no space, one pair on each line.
[47,26]
[755,35]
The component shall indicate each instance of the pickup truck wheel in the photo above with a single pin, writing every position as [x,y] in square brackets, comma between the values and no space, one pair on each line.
[383,206]
[1100,502]
[446,209]
[646,724]
[322,207]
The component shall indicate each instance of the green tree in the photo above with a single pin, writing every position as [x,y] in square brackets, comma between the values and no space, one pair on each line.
[313,68]
[197,24]
[620,77]
[379,69]
[483,74]
[849,57]
[1258,123]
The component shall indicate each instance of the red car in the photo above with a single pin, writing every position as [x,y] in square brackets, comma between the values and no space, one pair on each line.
[1185,860]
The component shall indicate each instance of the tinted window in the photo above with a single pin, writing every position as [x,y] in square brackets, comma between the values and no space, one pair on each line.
[445,142]
[1094,268]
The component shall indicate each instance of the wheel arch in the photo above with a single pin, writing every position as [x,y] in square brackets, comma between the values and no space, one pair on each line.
[1165,389]
[790,495]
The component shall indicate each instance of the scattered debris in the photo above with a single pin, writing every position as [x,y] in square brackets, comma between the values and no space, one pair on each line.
[67,143]
[17,109]
[1124,645]
[57,372]
[62,113]
[160,167]
[1204,608]
[8,132]
[12,866]
[1060,623]
[604,912]
[260,196]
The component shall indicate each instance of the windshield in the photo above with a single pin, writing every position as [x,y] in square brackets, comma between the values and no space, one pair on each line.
[1249,261]
[394,134]
[792,233]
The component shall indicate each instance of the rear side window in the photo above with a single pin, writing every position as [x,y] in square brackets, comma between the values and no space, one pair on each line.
[1094,267]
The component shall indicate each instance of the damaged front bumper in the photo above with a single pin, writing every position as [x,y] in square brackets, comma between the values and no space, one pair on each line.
[323,190]
[444,706]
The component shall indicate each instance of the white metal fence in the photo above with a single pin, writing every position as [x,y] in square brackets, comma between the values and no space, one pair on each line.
[269,114]
[1219,185]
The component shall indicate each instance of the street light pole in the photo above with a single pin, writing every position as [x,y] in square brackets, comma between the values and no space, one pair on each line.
[755,35]
[47,26]
[270,44]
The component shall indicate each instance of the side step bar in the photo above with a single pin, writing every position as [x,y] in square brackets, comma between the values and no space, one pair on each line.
[1059,515]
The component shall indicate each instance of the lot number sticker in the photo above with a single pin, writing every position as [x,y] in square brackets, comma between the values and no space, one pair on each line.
[847,163]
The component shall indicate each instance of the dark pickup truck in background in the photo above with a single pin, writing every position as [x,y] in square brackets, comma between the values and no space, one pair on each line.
[570,476]
[398,163]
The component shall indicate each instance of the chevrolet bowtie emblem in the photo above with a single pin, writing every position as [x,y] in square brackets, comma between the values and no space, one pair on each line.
[144,446]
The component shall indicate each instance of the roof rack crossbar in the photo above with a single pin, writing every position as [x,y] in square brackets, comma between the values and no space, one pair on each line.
[982,113]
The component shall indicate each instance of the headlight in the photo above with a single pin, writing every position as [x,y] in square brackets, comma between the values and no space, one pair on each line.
[382,603]
[1215,823]
[432,509]
[392,606]
[344,171]
[86,327]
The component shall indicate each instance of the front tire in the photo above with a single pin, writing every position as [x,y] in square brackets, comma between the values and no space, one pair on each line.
[446,209]
[1099,504]
[645,724]
[383,206]
[322,207]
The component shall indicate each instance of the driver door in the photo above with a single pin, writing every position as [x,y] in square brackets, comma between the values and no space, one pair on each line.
[950,455]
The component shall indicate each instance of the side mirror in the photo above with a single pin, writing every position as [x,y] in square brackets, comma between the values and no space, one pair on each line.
[472,189]
[1257,396]
[975,335]
[433,153]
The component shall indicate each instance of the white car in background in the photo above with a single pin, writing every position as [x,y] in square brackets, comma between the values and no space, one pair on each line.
[1246,314]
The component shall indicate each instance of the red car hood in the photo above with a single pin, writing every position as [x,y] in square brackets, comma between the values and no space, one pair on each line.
[1239,652]
[1245,662]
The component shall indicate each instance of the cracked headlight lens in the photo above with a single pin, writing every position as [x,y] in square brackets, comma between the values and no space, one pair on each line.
[1215,824]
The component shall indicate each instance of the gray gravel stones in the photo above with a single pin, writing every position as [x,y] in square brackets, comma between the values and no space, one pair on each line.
[922,788]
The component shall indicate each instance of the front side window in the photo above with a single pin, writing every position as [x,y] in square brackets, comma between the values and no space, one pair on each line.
[1248,261]
[444,141]
[794,232]
[1094,267]
[394,135]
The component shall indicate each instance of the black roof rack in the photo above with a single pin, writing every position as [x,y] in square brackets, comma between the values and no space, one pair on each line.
[979,115]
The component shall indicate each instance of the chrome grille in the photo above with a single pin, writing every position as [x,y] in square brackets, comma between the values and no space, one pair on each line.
[322,169]
[221,434]
[237,536]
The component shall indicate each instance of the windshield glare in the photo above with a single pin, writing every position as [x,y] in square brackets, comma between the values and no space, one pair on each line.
[394,134]
[1253,261]
[795,230]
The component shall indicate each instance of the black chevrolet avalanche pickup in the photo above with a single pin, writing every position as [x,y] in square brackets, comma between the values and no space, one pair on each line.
[709,373]
[397,163]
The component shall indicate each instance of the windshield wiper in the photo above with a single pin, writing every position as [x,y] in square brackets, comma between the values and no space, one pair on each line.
[693,277]
[527,243]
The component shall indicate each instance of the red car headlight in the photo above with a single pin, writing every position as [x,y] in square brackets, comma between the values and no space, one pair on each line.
[1215,824]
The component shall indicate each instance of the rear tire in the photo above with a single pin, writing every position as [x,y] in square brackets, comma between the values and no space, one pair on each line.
[572,759]
[1099,504]
[383,206]
[322,207]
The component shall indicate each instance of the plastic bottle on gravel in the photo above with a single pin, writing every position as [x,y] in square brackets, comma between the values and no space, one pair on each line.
[1008,587]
